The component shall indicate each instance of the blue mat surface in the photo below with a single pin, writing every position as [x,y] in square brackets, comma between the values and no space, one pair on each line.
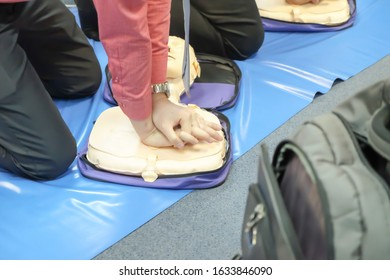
[73,217]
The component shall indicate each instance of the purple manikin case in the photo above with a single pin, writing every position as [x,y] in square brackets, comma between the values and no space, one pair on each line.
[216,89]
[201,180]
[283,26]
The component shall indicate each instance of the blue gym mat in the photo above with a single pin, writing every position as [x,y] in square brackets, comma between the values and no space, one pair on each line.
[73,217]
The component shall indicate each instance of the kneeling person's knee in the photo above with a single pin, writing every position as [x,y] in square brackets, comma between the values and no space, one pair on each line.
[49,165]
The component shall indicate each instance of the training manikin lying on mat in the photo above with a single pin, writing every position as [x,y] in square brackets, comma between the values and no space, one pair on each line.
[326,12]
[115,146]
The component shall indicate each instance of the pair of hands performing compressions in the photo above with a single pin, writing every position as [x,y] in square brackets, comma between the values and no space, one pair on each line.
[135,37]
[174,125]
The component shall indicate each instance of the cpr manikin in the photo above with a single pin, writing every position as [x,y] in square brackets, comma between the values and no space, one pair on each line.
[115,146]
[327,12]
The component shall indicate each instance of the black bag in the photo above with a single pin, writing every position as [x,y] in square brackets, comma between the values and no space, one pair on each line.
[325,195]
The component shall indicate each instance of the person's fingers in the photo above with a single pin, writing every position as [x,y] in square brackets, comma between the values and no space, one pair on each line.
[209,128]
[212,129]
[214,134]
[173,138]
[186,123]
[215,126]
[197,129]
[188,138]
[201,135]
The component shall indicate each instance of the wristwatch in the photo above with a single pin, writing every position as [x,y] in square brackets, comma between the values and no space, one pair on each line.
[162,87]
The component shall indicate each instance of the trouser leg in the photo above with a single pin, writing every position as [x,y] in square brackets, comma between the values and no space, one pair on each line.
[34,140]
[58,49]
[230,28]
[88,18]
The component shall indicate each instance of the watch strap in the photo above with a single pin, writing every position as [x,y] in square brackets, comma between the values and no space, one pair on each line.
[161,87]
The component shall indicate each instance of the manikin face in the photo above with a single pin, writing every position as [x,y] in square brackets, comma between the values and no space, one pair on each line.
[175,65]
[175,58]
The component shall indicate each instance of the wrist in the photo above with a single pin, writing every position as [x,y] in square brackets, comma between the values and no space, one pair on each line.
[159,96]
[144,128]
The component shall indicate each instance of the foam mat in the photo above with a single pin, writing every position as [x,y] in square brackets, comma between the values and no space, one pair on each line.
[73,217]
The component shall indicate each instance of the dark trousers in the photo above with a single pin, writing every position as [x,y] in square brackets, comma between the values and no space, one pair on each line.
[43,54]
[228,28]
[88,18]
